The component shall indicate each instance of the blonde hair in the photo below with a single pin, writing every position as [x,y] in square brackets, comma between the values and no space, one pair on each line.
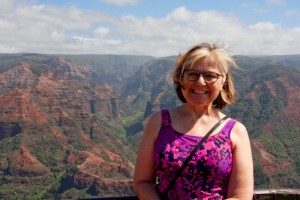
[219,58]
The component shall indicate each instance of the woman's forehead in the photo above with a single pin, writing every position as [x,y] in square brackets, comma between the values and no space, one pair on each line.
[205,63]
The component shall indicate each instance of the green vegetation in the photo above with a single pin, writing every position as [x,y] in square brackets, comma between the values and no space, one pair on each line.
[127,121]
[50,152]
[39,69]
[255,114]
[116,129]
[261,179]
[9,144]
[273,145]
[29,187]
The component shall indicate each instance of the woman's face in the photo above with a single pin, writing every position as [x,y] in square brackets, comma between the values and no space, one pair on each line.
[199,92]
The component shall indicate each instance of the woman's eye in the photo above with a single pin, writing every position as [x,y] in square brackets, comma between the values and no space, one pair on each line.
[211,75]
[193,74]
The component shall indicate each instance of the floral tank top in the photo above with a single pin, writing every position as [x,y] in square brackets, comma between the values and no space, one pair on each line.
[206,176]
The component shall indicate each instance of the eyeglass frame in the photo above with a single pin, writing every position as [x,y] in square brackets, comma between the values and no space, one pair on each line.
[201,74]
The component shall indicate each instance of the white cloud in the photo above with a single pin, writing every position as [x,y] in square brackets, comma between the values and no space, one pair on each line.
[101,31]
[265,26]
[27,27]
[180,14]
[121,2]
[57,35]
[6,6]
[82,39]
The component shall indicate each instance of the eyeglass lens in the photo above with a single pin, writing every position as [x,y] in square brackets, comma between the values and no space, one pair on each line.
[209,77]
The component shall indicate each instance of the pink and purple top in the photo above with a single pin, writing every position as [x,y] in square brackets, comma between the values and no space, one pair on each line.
[207,174]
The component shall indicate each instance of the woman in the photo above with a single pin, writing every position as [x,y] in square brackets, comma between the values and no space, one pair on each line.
[222,167]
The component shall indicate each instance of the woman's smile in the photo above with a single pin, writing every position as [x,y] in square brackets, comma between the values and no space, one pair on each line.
[199,91]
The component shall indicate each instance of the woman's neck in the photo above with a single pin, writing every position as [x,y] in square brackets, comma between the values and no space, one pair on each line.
[204,112]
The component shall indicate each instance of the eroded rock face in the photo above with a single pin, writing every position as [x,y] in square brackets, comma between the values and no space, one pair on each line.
[94,172]
[98,186]
[23,163]
[111,187]
[20,76]
[59,79]
[27,97]
[55,119]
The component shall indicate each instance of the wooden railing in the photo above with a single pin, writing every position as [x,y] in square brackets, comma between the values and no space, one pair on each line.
[263,194]
[277,194]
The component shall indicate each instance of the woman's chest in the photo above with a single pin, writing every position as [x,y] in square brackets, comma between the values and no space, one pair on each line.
[214,157]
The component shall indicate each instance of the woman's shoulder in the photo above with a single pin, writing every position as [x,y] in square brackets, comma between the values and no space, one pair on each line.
[239,127]
[152,125]
[159,116]
[239,133]
[155,118]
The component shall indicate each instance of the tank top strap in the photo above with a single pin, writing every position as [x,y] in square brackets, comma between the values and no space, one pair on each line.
[228,127]
[165,117]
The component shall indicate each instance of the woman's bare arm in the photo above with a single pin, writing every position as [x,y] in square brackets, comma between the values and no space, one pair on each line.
[241,181]
[145,175]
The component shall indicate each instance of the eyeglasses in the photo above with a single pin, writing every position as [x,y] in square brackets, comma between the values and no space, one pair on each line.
[208,76]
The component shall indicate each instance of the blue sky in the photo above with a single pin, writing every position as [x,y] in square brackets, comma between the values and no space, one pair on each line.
[149,27]
[247,10]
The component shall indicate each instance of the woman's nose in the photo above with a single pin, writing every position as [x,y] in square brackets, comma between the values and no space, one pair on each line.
[201,80]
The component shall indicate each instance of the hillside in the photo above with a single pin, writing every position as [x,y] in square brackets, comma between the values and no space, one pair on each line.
[69,124]
[271,92]
[59,127]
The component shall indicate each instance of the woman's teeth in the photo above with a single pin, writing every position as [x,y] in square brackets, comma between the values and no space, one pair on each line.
[199,92]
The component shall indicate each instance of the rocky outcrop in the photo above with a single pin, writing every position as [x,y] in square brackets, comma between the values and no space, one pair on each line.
[111,188]
[23,163]
[19,76]
[97,186]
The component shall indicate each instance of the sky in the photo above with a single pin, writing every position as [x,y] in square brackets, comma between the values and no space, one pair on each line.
[149,27]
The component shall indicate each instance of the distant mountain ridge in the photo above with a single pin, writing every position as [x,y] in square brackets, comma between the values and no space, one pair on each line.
[69,124]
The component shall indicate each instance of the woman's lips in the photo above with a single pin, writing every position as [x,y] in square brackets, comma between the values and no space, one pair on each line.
[199,91]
